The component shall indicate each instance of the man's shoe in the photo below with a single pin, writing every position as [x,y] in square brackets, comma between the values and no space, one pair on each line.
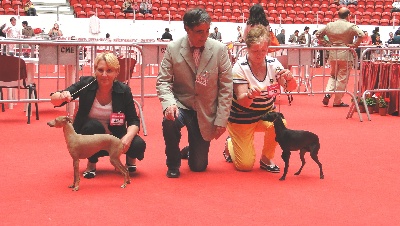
[89,174]
[325,101]
[131,168]
[269,168]
[185,152]
[341,105]
[173,173]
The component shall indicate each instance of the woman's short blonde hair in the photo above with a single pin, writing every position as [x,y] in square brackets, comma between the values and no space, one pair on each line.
[257,34]
[110,59]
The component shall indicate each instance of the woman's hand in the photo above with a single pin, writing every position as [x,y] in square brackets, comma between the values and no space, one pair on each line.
[126,142]
[285,74]
[58,98]
[171,112]
[253,92]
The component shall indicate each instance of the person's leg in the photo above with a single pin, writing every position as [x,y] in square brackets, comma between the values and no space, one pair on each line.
[198,157]
[172,136]
[343,72]
[91,127]
[243,153]
[135,151]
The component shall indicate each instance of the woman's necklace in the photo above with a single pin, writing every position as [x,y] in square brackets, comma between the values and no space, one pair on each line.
[260,72]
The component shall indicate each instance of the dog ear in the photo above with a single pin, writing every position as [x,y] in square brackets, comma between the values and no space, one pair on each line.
[281,115]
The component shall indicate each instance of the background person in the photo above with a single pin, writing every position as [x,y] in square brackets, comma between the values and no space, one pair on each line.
[253,75]
[12,31]
[101,98]
[30,9]
[167,35]
[257,16]
[340,33]
[294,38]
[216,35]
[55,31]
[194,86]
[281,37]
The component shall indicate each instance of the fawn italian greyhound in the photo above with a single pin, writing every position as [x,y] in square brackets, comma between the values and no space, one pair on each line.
[84,146]
[293,140]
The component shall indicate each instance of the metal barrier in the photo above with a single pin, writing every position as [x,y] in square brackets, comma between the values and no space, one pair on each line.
[73,55]
[380,68]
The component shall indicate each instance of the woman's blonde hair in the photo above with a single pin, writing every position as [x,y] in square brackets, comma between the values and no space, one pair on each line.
[110,59]
[256,35]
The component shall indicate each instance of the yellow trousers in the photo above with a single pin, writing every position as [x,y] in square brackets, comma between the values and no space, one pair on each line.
[241,144]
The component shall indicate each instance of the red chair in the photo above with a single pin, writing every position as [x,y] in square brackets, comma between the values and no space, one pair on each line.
[246,13]
[374,22]
[182,11]
[376,15]
[210,5]
[334,8]
[80,14]
[298,7]
[201,4]
[364,21]
[271,6]
[298,20]
[292,14]
[352,8]
[326,20]
[279,6]
[101,15]
[236,12]
[233,19]
[360,8]
[120,15]
[148,16]
[214,18]
[241,19]
[177,17]
[116,9]
[210,11]
[369,8]
[172,3]
[87,8]
[273,13]
[139,16]
[77,7]
[324,7]
[7,4]
[183,4]
[107,8]
[17,5]
[163,10]
[158,16]
[110,15]
[129,16]
[245,6]
[119,2]
[311,14]
[236,5]
[227,12]
[283,14]
[301,14]
[315,7]
[111,2]
[218,12]
[386,15]
[223,19]
[165,3]
[395,22]
[90,14]
[289,7]
[97,8]
[218,5]
[307,7]
[2,11]
[379,8]
[308,21]
[289,20]
[329,14]
[384,22]
[226,5]
[367,15]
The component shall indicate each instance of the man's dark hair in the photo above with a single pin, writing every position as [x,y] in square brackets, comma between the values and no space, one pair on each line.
[296,31]
[107,35]
[25,22]
[166,29]
[306,28]
[397,32]
[196,16]
[12,18]
[257,16]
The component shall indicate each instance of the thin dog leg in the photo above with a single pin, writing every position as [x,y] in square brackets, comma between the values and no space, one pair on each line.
[303,161]
[75,185]
[285,156]
[314,156]
[116,162]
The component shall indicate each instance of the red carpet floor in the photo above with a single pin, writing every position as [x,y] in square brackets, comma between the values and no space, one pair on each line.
[360,160]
